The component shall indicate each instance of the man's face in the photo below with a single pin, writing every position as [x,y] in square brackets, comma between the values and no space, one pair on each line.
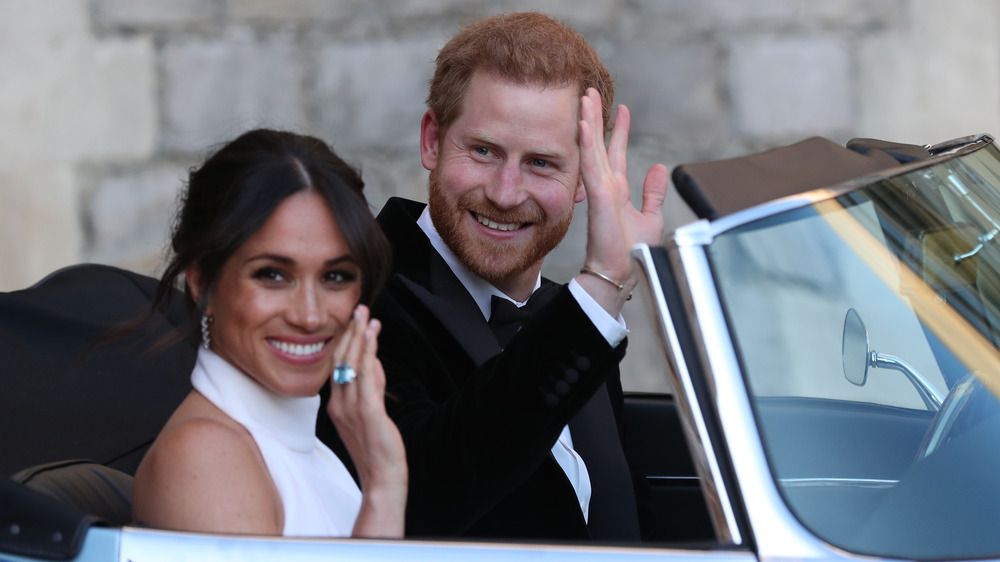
[505,177]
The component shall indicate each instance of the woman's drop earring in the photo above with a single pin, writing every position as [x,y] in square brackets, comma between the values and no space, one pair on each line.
[206,336]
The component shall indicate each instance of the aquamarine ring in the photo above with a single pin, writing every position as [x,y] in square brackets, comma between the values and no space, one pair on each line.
[343,373]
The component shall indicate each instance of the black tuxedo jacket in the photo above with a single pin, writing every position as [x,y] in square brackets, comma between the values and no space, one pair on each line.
[478,422]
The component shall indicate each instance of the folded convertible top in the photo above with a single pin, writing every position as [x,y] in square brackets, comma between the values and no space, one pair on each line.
[722,187]
[67,391]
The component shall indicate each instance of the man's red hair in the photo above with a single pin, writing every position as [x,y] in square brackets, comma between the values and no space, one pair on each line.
[525,48]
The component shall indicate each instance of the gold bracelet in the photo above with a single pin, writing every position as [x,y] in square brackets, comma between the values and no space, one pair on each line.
[603,276]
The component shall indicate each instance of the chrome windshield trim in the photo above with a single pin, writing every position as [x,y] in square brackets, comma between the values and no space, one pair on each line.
[152,545]
[778,206]
[777,533]
[698,233]
[696,431]
[692,233]
[957,144]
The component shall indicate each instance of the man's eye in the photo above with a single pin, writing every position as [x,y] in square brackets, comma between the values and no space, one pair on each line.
[539,163]
[482,151]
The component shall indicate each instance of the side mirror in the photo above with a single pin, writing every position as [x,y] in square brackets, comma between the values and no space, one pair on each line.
[857,355]
[855,349]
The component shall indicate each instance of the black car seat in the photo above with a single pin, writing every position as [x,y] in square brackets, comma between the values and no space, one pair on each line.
[76,386]
[88,486]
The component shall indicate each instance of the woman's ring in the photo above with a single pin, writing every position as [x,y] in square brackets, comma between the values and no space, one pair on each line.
[343,373]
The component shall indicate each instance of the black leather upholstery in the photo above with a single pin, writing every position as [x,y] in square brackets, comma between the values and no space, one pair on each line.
[85,485]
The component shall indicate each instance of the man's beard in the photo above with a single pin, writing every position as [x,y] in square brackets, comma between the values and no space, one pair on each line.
[493,260]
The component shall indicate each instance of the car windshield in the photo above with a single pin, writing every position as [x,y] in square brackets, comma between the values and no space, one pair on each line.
[866,326]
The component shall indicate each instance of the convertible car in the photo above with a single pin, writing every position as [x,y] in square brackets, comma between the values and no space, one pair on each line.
[830,325]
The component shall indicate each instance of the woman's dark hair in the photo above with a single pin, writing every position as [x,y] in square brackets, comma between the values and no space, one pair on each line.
[231,196]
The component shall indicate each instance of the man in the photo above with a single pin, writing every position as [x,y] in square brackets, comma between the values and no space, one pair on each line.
[518,438]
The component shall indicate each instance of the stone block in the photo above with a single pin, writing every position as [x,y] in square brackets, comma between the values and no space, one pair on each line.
[391,174]
[372,94]
[214,89]
[758,14]
[113,113]
[928,82]
[671,90]
[436,8]
[39,224]
[292,11]
[853,13]
[582,15]
[128,214]
[784,14]
[153,14]
[686,17]
[77,97]
[23,21]
[787,87]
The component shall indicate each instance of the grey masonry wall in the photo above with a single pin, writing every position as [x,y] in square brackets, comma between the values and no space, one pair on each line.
[104,104]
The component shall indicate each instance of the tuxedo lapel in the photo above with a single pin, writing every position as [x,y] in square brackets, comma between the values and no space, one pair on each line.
[466,325]
[424,273]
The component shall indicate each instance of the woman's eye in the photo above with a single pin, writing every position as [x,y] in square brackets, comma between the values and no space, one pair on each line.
[341,276]
[269,274]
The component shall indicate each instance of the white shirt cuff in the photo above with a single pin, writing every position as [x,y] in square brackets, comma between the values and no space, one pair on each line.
[613,329]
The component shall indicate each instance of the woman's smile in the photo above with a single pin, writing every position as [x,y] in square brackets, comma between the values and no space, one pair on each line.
[310,352]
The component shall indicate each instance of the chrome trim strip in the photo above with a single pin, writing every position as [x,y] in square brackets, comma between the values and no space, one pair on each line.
[775,207]
[954,145]
[678,479]
[836,482]
[706,464]
[698,233]
[149,545]
[939,153]
[777,533]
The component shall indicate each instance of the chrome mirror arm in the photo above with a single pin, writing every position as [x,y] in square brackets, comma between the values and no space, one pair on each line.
[930,395]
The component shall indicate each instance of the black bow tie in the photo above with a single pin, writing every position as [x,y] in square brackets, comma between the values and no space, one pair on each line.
[506,318]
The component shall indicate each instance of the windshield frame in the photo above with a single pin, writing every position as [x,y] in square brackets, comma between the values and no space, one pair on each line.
[690,247]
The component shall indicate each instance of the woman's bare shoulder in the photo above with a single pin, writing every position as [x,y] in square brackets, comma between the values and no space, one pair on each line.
[205,473]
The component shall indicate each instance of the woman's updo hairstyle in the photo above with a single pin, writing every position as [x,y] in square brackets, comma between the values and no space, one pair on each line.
[236,190]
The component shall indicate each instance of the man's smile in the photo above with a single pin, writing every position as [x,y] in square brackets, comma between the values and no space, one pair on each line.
[483,220]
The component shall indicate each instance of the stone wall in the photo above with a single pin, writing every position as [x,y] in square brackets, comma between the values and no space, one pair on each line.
[105,104]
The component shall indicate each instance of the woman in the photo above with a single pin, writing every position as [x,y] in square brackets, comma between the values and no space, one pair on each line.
[280,255]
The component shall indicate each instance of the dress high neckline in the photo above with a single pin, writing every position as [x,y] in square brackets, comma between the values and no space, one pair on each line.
[290,420]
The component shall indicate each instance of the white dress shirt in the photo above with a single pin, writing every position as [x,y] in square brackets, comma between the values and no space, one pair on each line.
[613,330]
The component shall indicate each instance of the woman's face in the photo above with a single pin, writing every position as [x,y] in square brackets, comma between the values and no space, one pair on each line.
[285,297]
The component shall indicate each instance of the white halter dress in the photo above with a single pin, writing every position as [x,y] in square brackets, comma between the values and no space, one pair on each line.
[319,496]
